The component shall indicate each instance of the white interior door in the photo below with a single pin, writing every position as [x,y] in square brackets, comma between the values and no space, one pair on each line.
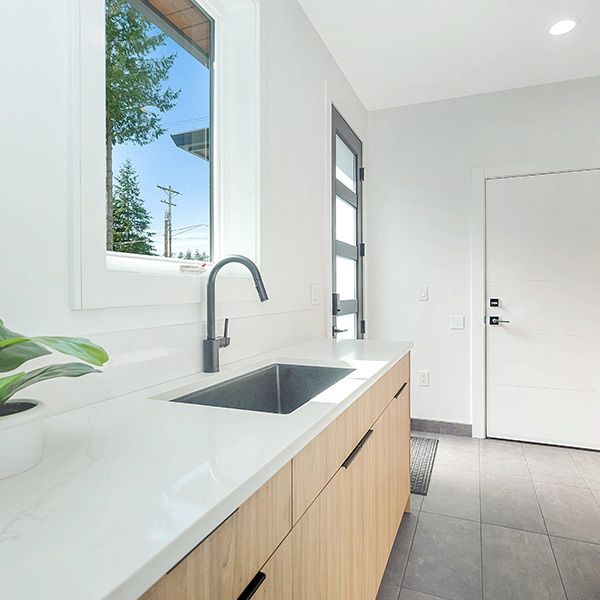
[543,268]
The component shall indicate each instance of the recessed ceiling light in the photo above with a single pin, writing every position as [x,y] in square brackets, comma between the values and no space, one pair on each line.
[563,27]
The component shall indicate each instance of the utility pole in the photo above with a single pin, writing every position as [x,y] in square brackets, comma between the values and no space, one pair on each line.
[171,193]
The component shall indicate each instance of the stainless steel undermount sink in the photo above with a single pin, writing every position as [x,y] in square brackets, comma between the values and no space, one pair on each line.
[278,388]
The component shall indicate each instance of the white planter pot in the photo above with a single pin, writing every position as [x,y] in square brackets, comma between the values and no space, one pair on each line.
[21,438]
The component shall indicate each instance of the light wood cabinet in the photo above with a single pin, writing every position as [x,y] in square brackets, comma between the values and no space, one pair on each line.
[277,583]
[323,527]
[223,565]
[343,540]
[317,462]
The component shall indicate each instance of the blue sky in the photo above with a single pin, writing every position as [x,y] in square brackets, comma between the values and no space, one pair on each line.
[162,163]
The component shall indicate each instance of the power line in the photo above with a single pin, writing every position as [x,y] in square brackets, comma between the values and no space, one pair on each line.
[182,230]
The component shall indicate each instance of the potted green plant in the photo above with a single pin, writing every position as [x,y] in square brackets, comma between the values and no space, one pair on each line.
[21,430]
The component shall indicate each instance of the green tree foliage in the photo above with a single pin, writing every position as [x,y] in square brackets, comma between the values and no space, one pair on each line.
[131,219]
[197,255]
[135,96]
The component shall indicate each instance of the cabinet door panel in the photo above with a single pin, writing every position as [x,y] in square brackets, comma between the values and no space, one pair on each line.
[316,464]
[320,545]
[334,543]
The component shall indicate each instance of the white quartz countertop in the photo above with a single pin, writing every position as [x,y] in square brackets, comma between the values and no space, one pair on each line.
[130,485]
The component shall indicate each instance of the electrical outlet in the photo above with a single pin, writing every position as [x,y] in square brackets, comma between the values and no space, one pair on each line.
[424,378]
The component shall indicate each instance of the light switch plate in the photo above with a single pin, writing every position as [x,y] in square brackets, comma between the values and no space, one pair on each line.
[424,293]
[424,378]
[316,293]
[457,322]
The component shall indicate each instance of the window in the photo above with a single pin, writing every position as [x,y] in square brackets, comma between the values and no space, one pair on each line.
[209,150]
[159,90]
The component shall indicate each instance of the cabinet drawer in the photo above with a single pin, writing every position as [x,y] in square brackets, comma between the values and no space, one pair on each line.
[223,565]
[397,376]
[277,584]
[316,464]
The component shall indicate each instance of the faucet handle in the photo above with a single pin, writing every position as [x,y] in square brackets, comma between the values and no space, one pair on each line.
[226,328]
[224,341]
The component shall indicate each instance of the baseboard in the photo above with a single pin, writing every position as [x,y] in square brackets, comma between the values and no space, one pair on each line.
[425,425]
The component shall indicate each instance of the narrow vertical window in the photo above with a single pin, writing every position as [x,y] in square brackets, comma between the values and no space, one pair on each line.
[159,74]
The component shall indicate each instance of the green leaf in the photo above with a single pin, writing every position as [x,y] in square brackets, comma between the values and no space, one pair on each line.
[14,355]
[13,383]
[12,341]
[6,333]
[78,347]
[7,383]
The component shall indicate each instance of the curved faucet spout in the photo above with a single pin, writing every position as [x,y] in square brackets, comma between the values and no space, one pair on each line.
[212,344]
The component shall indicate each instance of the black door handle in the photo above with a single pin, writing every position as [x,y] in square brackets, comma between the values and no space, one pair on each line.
[497,321]
[400,390]
[253,586]
[357,449]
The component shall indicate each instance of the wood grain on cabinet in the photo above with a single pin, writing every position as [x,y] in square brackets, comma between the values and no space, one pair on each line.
[225,562]
[343,540]
[278,570]
[316,464]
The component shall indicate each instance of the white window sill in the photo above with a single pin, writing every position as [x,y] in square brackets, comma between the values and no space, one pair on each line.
[158,265]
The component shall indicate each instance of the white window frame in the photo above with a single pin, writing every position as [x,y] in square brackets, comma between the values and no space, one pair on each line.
[104,280]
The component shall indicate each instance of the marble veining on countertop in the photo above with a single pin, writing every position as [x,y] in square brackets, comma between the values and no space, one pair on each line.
[130,485]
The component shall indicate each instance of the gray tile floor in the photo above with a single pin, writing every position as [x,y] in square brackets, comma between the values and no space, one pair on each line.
[501,521]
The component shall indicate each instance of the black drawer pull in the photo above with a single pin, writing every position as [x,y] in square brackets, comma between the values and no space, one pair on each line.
[401,389]
[253,586]
[356,450]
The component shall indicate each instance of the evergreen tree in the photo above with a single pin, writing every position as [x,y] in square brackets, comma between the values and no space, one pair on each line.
[200,256]
[131,219]
[134,80]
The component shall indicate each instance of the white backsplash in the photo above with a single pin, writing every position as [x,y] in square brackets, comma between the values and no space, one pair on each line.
[141,358]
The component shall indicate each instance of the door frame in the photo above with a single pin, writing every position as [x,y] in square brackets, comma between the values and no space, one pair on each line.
[340,127]
[480,175]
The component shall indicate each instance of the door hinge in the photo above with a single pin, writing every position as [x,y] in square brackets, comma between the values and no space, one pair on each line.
[363,327]
[361,249]
[361,173]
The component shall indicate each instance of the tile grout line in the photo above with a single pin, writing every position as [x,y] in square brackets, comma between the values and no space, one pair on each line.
[412,539]
[562,583]
[597,500]
[418,592]
[587,485]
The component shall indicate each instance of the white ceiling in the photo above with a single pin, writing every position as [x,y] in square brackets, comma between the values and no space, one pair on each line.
[398,52]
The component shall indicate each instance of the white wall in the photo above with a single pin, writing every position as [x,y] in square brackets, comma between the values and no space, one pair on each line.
[298,81]
[419,207]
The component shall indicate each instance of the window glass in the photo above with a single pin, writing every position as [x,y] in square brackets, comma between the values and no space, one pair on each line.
[345,222]
[345,164]
[158,124]
[345,275]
